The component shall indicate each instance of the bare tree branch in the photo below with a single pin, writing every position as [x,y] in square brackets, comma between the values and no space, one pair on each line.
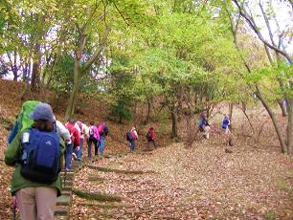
[249,19]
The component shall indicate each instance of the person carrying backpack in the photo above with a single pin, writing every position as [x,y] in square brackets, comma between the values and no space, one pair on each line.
[225,124]
[65,135]
[75,139]
[35,154]
[83,131]
[151,137]
[131,136]
[93,138]
[203,124]
[225,127]
[103,132]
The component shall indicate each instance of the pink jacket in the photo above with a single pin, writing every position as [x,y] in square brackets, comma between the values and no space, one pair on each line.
[96,132]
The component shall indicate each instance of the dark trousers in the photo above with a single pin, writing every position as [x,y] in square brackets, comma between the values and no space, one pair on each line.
[68,155]
[132,145]
[78,153]
[91,141]
[151,142]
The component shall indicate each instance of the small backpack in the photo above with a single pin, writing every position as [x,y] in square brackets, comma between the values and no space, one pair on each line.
[225,123]
[106,130]
[40,160]
[200,122]
[128,136]
[91,131]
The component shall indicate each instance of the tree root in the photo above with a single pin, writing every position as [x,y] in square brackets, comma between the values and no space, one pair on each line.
[96,179]
[105,169]
[96,196]
[144,190]
[105,206]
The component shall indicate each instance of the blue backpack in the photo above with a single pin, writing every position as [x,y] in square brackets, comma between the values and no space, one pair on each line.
[200,122]
[225,123]
[40,156]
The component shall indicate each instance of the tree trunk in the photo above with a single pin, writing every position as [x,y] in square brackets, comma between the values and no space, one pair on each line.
[35,83]
[283,107]
[75,89]
[272,116]
[14,67]
[230,115]
[289,127]
[174,117]
[78,72]
[134,112]
[148,111]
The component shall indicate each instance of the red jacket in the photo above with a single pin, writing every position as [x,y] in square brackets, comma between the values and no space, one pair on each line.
[74,134]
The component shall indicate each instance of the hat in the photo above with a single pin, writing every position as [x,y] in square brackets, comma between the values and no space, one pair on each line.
[43,111]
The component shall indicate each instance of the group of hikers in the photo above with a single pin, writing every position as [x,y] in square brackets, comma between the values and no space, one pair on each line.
[74,133]
[39,146]
[132,135]
[37,143]
[204,126]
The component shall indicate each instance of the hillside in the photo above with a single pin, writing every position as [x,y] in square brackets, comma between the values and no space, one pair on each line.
[255,181]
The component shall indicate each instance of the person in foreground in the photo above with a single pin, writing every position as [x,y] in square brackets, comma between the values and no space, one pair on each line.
[35,154]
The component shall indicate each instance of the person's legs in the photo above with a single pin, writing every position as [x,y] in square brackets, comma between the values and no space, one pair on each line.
[45,201]
[132,145]
[79,155]
[102,145]
[68,156]
[26,202]
[207,131]
[78,152]
[227,136]
[154,143]
[89,149]
[96,146]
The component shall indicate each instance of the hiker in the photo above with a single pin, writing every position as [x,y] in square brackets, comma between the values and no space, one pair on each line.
[36,181]
[83,132]
[225,127]
[225,124]
[203,124]
[103,132]
[131,137]
[75,139]
[151,137]
[93,138]
[65,135]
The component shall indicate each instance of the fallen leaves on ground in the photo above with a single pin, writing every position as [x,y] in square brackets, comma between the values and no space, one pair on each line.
[198,183]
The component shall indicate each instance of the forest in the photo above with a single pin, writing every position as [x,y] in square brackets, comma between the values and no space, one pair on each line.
[161,63]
